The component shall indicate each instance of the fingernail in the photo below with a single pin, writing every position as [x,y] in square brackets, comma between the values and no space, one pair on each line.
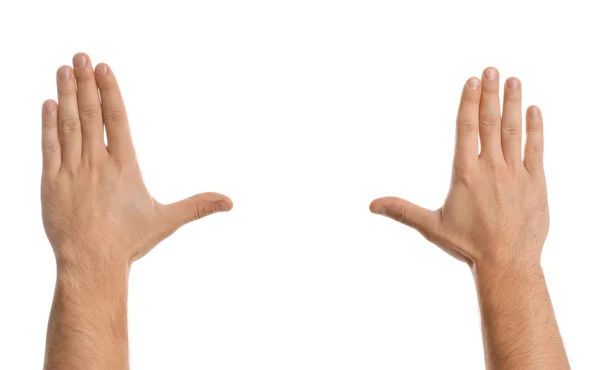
[79,61]
[535,112]
[49,106]
[512,83]
[474,83]
[222,206]
[379,209]
[64,73]
[490,73]
[101,70]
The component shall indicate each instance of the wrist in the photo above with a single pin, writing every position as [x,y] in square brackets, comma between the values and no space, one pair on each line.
[90,258]
[504,268]
[101,277]
[509,257]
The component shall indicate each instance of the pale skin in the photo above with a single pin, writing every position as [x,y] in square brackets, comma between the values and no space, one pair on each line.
[98,216]
[495,218]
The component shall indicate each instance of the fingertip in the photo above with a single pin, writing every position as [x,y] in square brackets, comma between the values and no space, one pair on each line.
[102,70]
[64,73]
[513,83]
[223,205]
[534,112]
[80,60]
[474,83]
[490,73]
[377,207]
[49,106]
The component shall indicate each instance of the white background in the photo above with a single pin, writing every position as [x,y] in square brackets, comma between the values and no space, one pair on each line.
[302,112]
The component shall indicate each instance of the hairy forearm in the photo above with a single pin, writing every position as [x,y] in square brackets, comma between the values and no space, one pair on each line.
[518,322]
[87,328]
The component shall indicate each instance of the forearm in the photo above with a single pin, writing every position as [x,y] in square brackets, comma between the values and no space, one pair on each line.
[518,322]
[87,328]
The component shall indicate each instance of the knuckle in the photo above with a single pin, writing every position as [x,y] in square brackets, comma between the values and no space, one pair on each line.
[496,167]
[466,125]
[535,149]
[470,99]
[535,162]
[400,214]
[201,210]
[69,171]
[114,117]
[90,112]
[69,125]
[511,128]
[49,124]
[487,120]
[50,149]
[97,160]
[462,167]
[463,174]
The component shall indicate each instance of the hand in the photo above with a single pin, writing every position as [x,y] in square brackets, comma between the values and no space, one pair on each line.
[95,206]
[496,210]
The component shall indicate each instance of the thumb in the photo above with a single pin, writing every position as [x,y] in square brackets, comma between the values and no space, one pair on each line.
[197,207]
[423,220]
